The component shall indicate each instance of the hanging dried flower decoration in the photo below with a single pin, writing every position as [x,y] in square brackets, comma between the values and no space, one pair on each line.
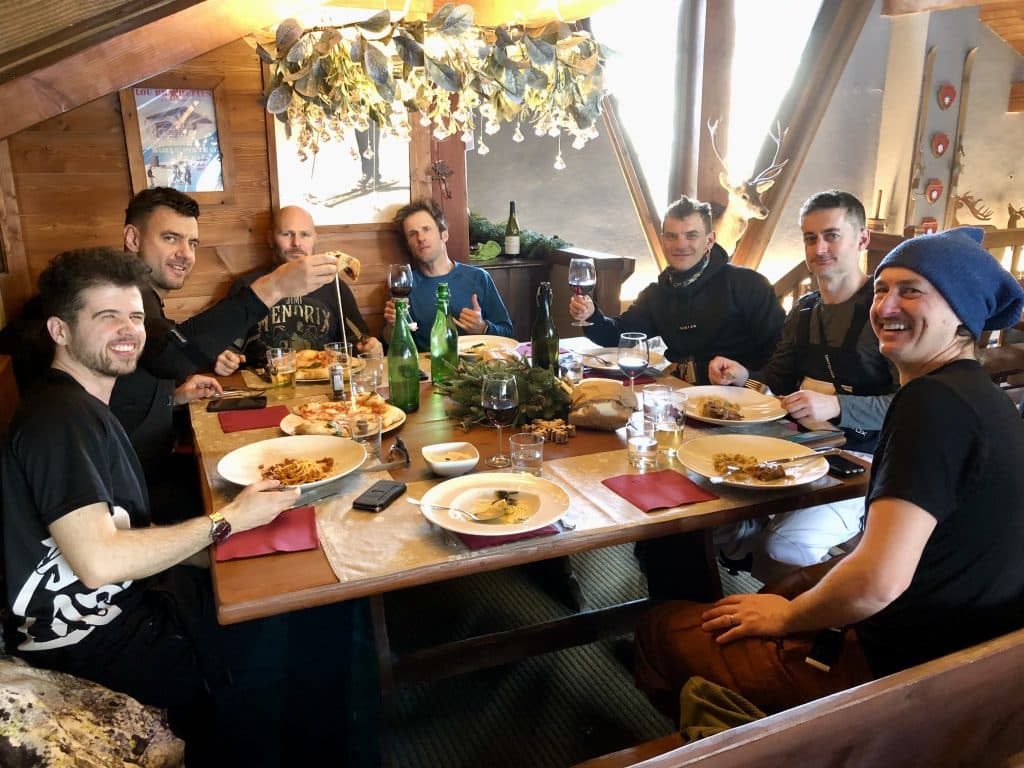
[325,81]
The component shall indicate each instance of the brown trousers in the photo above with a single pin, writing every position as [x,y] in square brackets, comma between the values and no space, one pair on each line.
[771,673]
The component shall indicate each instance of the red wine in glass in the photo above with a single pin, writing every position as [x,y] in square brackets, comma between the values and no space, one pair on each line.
[501,413]
[401,291]
[499,398]
[582,278]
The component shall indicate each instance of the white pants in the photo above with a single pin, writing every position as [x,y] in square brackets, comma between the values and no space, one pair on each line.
[791,540]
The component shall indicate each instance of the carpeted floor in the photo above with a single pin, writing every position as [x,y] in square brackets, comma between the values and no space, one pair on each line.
[550,711]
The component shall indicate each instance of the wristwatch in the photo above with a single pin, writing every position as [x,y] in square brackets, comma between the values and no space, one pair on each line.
[220,528]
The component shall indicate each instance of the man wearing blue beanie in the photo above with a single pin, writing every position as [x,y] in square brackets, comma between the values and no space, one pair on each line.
[938,568]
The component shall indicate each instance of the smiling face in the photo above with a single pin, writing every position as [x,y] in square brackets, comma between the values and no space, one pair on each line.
[685,241]
[167,242]
[426,243]
[293,235]
[107,334]
[915,326]
[832,242]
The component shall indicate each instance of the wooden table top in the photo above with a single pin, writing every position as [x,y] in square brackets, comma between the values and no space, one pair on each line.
[261,586]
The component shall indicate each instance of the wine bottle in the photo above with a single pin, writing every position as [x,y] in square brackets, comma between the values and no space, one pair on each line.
[544,338]
[444,339]
[403,363]
[512,231]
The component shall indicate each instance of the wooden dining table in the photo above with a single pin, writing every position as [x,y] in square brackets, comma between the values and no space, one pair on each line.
[399,548]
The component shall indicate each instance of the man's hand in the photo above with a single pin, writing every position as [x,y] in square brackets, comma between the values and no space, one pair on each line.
[813,406]
[258,504]
[195,388]
[389,312]
[722,370]
[296,278]
[471,319]
[581,308]
[370,345]
[739,616]
[228,362]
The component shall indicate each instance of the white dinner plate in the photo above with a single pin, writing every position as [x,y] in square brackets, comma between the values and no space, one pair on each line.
[242,465]
[698,456]
[755,407]
[547,502]
[655,359]
[292,420]
[473,345]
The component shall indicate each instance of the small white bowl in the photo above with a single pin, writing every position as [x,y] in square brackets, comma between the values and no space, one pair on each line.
[451,459]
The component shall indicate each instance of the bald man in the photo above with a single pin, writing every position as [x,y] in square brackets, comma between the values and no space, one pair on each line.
[302,322]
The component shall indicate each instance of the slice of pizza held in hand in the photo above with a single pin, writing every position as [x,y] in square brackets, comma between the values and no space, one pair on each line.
[347,265]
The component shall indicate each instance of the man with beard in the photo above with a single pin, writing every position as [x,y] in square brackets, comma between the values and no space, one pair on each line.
[301,322]
[92,586]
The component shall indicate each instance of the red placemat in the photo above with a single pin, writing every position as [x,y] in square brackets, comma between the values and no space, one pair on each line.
[658,490]
[482,542]
[257,418]
[291,531]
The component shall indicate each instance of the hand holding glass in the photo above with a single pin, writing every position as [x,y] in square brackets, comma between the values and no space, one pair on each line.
[583,278]
[633,356]
[499,397]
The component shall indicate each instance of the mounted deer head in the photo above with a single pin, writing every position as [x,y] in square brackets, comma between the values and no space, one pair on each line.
[744,198]
[1015,215]
[973,204]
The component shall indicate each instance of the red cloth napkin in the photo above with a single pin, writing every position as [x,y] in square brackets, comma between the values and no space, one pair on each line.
[658,490]
[257,418]
[482,542]
[291,531]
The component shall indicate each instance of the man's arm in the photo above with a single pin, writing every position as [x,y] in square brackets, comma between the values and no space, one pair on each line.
[100,553]
[867,580]
[764,315]
[606,330]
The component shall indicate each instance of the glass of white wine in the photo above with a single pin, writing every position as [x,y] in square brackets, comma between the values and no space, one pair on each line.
[583,279]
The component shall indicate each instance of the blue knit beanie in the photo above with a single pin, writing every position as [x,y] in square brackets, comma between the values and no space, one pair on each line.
[981,293]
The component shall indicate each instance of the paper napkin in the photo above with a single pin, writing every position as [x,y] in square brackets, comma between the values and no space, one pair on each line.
[482,542]
[291,531]
[658,490]
[257,418]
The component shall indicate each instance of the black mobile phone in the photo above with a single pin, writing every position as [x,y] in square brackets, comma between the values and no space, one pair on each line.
[840,467]
[379,495]
[237,403]
[803,438]
[825,649]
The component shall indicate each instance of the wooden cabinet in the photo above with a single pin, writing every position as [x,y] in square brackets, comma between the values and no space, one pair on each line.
[516,281]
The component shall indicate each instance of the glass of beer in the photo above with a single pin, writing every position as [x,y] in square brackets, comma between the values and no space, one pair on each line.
[281,367]
[669,421]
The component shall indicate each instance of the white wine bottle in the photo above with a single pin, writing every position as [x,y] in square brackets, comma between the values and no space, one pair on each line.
[512,232]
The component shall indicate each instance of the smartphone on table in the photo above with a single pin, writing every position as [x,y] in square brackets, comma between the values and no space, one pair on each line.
[839,466]
[379,496]
[237,403]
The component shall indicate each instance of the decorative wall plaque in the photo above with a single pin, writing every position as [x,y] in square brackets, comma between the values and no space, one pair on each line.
[928,226]
[933,191]
[947,95]
[940,143]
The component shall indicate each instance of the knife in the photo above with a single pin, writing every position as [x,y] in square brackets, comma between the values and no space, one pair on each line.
[358,337]
[805,457]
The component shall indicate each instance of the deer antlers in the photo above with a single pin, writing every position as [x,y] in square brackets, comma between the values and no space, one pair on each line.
[769,172]
[975,205]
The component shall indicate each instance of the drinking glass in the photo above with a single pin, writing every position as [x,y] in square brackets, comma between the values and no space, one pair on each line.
[399,280]
[527,451]
[641,443]
[670,421]
[633,356]
[583,278]
[499,397]
[282,367]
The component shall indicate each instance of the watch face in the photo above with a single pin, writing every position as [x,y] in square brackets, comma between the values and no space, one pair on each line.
[220,530]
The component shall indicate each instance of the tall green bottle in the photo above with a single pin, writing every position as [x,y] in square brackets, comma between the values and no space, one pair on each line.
[544,338]
[403,362]
[444,339]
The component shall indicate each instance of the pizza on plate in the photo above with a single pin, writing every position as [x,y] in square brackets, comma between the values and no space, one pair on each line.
[312,365]
[340,410]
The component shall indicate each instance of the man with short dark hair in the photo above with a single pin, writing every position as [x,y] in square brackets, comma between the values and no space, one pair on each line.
[701,305]
[475,303]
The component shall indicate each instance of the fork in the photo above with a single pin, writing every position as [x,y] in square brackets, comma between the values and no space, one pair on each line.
[600,359]
[755,385]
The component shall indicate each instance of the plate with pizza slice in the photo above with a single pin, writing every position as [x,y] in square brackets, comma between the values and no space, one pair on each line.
[311,366]
[312,417]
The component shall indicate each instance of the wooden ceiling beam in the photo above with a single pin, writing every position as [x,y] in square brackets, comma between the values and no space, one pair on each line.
[903,7]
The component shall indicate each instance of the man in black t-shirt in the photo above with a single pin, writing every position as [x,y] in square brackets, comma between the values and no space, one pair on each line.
[939,566]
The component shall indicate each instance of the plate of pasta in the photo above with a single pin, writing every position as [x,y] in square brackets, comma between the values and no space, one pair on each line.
[302,461]
[715,455]
[526,503]
[717,404]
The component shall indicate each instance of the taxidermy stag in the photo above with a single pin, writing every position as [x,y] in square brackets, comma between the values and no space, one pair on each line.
[1015,215]
[745,201]
[973,204]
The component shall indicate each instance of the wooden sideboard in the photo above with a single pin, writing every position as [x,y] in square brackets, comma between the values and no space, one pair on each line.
[516,281]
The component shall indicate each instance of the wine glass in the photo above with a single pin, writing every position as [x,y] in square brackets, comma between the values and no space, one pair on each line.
[499,397]
[399,280]
[633,356]
[583,278]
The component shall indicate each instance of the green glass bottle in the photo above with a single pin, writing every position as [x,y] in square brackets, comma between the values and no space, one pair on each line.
[512,232]
[544,338]
[444,339]
[403,362]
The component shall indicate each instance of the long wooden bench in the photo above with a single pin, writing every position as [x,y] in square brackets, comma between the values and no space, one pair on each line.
[962,709]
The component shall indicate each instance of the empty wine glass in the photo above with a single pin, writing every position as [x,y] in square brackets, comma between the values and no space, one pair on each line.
[399,280]
[583,278]
[633,356]
[499,397]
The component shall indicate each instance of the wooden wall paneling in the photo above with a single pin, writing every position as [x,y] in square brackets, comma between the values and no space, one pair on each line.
[1016,102]
[15,286]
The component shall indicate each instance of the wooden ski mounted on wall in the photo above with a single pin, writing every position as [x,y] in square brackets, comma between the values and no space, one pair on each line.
[917,169]
[958,142]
